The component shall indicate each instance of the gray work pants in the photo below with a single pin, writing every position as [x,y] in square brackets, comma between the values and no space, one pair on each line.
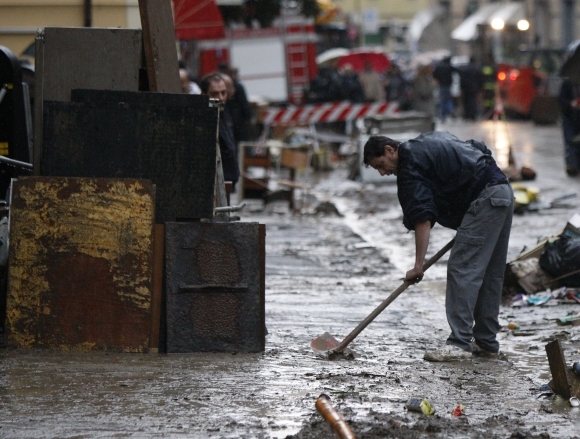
[476,269]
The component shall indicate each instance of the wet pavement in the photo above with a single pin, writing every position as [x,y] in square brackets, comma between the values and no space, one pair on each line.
[326,272]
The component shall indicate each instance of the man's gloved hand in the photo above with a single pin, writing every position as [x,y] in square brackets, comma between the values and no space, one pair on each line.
[414,276]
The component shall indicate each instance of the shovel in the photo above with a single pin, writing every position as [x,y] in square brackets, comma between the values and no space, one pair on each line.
[327,346]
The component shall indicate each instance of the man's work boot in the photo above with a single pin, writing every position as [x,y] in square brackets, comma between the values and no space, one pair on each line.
[447,353]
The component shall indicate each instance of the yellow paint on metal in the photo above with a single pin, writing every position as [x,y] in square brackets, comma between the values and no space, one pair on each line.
[115,222]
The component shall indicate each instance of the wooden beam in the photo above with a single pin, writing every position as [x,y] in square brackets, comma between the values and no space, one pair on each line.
[157,285]
[561,385]
[159,46]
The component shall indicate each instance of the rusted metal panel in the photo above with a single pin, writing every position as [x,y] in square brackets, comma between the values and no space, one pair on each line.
[80,264]
[215,287]
[166,138]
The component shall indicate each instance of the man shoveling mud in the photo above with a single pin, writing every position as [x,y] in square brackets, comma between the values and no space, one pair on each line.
[458,185]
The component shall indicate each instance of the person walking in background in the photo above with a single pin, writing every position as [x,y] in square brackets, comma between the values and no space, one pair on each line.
[443,74]
[396,87]
[351,86]
[569,99]
[187,84]
[423,91]
[372,83]
[470,83]
[325,86]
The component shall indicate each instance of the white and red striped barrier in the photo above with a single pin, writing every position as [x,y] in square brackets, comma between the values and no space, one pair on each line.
[328,112]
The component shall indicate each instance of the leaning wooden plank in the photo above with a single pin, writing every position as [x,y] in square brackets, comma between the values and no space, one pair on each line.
[560,382]
[81,264]
[293,184]
[159,46]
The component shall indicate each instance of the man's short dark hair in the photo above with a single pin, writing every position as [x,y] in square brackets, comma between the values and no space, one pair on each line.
[375,147]
[208,79]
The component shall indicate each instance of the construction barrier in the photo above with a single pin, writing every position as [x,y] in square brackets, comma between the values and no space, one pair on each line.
[327,112]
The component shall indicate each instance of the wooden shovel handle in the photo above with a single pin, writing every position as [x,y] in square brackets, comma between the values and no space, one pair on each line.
[379,309]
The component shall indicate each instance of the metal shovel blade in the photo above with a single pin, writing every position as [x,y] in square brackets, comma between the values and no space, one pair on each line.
[328,346]
[325,346]
[324,343]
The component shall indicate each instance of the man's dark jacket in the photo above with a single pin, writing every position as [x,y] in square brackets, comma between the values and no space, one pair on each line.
[438,176]
[443,73]
[228,149]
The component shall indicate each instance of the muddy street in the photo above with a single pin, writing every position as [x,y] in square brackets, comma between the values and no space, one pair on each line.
[327,272]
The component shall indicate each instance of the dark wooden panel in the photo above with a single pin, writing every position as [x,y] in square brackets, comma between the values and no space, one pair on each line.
[171,144]
[81,264]
[561,385]
[92,58]
[215,287]
[103,97]
[100,59]
[157,287]
[159,45]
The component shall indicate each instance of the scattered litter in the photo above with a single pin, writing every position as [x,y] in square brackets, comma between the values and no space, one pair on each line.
[540,298]
[458,411]
[572,319]
[544,388]
[420,405]
[574,402]
[327,208]
[576,368]
[560,296]
[512,325]
[561,259]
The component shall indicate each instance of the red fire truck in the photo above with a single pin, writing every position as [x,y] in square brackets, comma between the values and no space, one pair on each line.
[275,63]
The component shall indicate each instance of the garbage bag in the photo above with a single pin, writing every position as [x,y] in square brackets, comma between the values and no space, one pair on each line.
[562,257]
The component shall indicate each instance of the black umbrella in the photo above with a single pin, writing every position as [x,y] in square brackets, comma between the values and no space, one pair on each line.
[571,67]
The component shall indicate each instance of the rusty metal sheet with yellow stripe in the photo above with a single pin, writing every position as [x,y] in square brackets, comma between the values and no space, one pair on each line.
[80,263]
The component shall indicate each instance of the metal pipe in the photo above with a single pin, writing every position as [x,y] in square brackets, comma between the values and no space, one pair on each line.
[331,416]
[2,93]
[230,208]
[17,163]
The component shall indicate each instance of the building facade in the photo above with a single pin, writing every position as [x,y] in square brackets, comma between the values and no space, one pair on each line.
[20,19]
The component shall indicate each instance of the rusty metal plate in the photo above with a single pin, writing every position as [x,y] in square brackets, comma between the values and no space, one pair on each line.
[167,139]
[80,264]
[215,287]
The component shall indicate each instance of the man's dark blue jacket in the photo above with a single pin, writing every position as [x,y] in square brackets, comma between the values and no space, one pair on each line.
[438,176]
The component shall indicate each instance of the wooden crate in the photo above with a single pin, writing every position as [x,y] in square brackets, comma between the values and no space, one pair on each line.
[80,264]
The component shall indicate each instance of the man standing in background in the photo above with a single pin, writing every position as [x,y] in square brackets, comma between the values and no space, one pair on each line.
[214,86]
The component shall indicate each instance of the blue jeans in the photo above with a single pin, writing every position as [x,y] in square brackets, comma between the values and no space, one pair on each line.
[572,152]
[446,106]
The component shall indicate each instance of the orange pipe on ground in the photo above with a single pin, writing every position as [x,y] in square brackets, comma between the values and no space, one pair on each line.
[336,421]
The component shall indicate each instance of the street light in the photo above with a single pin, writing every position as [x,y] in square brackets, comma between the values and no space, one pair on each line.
[523,25]
[497,23]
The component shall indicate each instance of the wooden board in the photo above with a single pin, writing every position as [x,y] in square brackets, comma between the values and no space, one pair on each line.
[81,264]
[294,159]
[159,46]
[157,281]
[560,382]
